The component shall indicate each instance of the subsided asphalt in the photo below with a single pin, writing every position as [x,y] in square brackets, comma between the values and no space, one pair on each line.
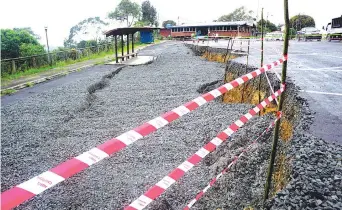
[51,122]
[316,68]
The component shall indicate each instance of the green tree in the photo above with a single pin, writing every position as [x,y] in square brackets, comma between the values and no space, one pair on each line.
[301,21]
[268,26]
[171,22]
[28,49]
[28,29]
[11,41]
[238,14]
[149,13]
[140,23]
[92,27]
[124,11]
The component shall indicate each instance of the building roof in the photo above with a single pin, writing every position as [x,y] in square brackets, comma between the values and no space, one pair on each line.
[128,30]
[234,23]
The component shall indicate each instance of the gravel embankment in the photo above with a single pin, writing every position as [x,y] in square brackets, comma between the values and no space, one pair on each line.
[57,123]
[316,171]
[315,167]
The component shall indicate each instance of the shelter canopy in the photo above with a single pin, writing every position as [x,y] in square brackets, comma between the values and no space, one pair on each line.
[127,30]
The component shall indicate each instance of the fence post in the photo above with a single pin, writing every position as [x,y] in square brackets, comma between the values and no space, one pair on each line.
[34,62]
[122,48]
[280,106]
[13,67]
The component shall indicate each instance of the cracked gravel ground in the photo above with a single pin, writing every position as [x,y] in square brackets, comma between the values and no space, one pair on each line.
[45,125]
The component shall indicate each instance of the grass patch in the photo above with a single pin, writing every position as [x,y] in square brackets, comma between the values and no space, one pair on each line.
[8,92]
[29,84]
[100,63]
[6,78]
[29,72]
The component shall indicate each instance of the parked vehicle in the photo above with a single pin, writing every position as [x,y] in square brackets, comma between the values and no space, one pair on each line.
[275,36]
[309,33]
[334,29]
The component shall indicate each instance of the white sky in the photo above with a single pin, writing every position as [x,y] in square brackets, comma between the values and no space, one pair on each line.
[61,15]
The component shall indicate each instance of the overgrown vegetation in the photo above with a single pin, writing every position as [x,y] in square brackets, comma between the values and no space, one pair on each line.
[8,92]
[19,42]
[29,84]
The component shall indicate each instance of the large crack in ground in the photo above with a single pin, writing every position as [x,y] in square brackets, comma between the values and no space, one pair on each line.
[32,144]
[294,185]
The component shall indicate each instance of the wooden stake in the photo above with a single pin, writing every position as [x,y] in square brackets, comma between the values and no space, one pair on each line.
[280,106]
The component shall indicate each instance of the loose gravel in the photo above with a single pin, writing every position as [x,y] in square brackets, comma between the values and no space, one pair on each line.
[44,129]
[316,171]
[59,122]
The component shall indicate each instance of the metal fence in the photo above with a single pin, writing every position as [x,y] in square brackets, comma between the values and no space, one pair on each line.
[13,65]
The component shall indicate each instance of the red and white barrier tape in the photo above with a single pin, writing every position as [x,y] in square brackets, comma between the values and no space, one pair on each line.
[213,181]
[26,190]
[177,173]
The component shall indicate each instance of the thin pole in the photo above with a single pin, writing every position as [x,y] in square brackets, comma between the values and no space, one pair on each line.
[48,48]
[280,106]
[116,49]
[133,44]
[262,52]
[245,85]
[122,48]
[127,44]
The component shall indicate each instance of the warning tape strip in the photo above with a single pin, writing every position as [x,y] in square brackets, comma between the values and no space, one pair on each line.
[180,171]
[213,181]
[28,189]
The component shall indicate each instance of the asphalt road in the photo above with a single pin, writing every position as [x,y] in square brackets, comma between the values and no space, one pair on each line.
[316,68]
[47,124]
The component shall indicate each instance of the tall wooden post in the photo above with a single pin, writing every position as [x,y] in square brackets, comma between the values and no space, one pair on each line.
[13,67]
[116,48]
[281,101]
[122,48]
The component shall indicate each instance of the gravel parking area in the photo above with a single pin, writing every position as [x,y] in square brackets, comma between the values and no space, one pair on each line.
[58,122]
